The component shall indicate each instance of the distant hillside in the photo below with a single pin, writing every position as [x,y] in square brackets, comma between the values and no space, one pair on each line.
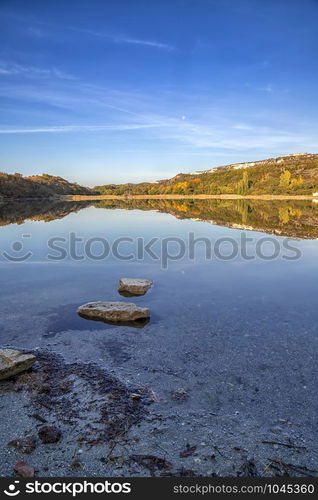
[292,174]
[38,186]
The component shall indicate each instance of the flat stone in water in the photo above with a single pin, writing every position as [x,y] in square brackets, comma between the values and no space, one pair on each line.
[114,312]
[13,362]
[131,286]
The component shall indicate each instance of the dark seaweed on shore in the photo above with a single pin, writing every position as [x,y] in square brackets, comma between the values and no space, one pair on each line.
[84,396]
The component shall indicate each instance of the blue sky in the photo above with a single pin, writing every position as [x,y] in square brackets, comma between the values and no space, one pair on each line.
[104,91]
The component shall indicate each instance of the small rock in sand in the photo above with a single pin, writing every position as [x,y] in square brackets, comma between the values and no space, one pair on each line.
[180,395]
[49,434]
[131,287]
[24,445]
[114,312]
[13,362]
[134,396]
[76,462]
[23,469]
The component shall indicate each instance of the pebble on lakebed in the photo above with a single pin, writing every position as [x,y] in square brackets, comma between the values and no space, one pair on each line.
[49,434]
[114,312]
[132,286]
[13,362]
[24,444]
[23,469]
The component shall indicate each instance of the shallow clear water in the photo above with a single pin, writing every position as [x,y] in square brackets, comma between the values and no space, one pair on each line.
[49,268]
[239,334]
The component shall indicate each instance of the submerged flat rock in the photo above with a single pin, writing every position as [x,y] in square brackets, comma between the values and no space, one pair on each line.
[13,362]
[114,312]
[132,286]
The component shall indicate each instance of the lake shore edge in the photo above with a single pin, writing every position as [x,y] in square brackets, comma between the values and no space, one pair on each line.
[80,197]
[189,197]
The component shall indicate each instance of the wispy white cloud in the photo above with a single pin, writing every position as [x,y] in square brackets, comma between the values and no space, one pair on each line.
[9,69]
[36,32]
[75,128]
[123,39]
[242,126]
[146,43]
[70,97]
[34,24]
[269,87]
[206,128]
[62,74]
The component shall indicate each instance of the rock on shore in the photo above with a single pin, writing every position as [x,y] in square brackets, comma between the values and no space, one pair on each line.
[131,286]
[13,362]
[114,312]
[49,434]
[23,469]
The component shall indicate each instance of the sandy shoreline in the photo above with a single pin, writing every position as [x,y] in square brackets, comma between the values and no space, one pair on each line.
[106,432]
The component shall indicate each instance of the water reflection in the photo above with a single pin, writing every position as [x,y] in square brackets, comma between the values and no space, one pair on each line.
[297,219]
[138,323]
[18,212]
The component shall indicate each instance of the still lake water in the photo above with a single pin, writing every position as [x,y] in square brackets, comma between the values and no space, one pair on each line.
[239,334]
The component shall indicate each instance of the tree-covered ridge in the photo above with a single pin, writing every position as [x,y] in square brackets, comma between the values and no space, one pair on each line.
[293,174]
[38,186]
